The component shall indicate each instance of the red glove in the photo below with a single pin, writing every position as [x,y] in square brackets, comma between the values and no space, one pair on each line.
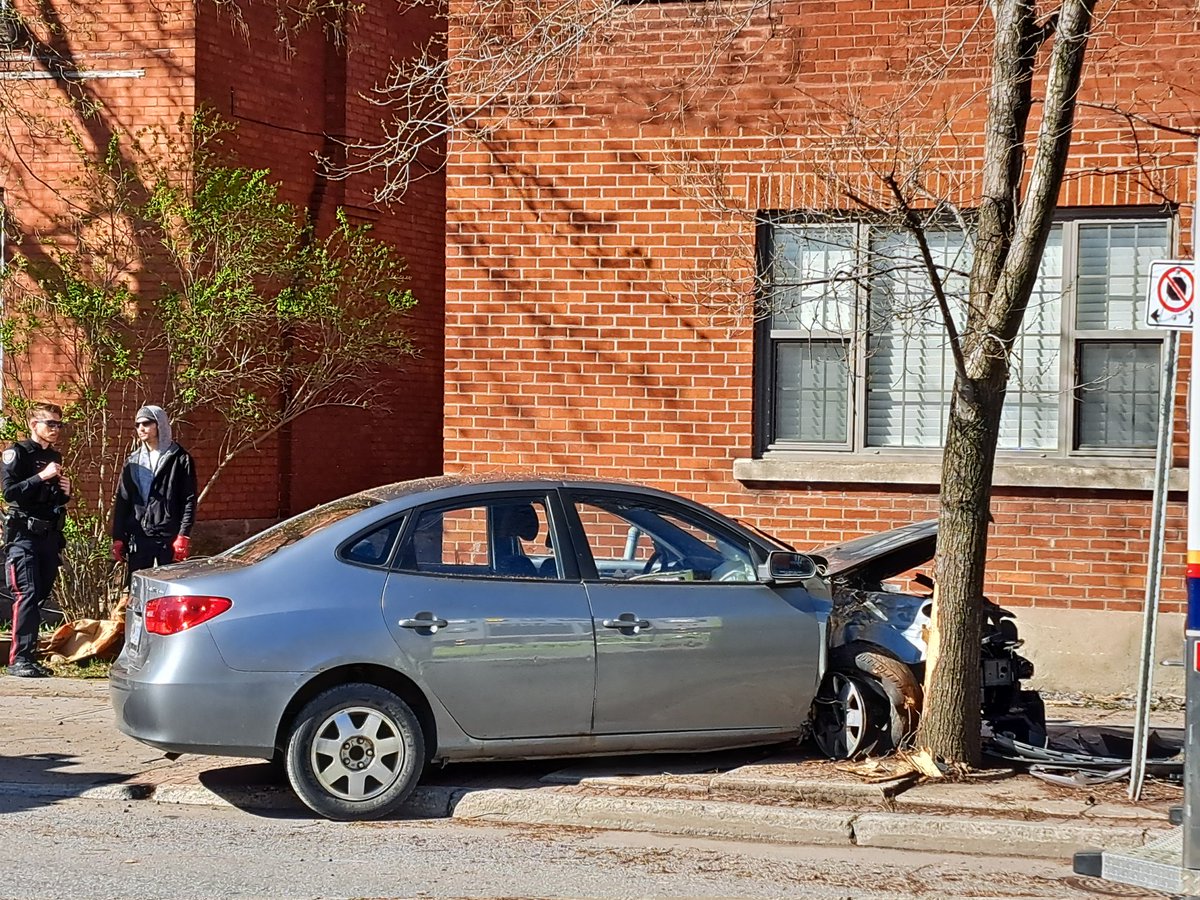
[118,550]
[180,546]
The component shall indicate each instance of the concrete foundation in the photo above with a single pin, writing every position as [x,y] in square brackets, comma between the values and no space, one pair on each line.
[1097,652]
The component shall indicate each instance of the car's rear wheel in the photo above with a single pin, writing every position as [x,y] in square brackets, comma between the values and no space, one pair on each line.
[851,717]
[355,751]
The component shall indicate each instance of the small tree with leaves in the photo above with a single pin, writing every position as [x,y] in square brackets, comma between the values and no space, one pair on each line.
[174,274]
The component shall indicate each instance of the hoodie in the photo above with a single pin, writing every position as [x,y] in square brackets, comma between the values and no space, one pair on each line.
[157,494]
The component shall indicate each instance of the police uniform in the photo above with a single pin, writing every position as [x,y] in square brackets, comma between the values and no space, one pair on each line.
[34,537]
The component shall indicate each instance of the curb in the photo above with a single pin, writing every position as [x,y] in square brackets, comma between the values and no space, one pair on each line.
[701,818]
[750,822]
[436,802]
[63,792]
[810,792]
[730,820]
[984,836]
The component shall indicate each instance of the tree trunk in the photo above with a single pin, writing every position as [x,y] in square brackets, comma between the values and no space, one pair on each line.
[950,721]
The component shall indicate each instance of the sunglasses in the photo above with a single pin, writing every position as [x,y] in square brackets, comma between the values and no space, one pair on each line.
[49,423]
[143,423]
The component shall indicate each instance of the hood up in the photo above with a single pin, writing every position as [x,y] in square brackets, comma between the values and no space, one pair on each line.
[877,557]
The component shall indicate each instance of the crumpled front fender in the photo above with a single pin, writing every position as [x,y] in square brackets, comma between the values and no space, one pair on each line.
[899,623]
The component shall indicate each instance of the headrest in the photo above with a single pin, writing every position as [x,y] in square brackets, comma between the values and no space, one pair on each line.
[519,520]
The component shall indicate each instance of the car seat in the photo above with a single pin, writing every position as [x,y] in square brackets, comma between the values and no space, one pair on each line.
[515,523]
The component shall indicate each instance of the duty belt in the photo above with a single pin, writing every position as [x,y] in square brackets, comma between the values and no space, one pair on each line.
[31,524]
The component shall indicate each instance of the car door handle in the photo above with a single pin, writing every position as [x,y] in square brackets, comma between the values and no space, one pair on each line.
[626,620]
[423,620]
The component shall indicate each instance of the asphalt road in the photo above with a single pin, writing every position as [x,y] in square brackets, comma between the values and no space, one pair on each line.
[87,848]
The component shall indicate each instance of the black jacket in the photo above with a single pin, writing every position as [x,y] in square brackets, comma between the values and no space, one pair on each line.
[171,507]
[23,490]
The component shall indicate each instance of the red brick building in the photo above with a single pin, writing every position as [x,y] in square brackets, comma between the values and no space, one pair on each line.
[630,252]
[108,66]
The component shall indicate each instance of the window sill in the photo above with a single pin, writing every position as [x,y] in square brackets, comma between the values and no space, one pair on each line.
[1091,474]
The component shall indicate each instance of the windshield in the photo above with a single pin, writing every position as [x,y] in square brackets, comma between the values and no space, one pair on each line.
[778,543]
[297,528]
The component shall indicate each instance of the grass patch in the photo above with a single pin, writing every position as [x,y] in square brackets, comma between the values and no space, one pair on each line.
[89,668]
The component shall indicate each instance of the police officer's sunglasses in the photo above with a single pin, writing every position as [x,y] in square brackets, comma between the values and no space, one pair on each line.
[49,423]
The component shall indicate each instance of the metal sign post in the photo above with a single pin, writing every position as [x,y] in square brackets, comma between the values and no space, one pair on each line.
[1170,304]
[1158,515]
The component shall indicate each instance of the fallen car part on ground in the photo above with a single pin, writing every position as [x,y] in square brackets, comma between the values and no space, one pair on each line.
[1081,756]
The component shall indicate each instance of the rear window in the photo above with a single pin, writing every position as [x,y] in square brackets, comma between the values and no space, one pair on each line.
[297,528]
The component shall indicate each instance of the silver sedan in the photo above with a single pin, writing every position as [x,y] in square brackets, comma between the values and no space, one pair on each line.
[454,619]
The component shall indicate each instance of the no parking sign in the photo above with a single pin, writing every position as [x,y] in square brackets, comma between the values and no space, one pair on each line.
[1172,288]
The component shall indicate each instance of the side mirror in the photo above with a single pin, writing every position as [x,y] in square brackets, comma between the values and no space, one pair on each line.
[783,565]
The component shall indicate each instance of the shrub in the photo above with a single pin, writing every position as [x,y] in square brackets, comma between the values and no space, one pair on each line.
[88,585]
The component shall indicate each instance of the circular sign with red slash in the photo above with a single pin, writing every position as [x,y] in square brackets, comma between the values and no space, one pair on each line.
[1175,289]
[1170,292]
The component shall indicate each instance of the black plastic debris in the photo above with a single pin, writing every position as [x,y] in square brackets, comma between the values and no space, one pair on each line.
[1085,755]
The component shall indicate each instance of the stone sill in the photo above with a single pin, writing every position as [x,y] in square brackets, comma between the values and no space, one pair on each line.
[1092,474]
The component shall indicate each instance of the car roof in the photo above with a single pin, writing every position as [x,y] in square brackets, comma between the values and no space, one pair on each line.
[889,552]
[451,487]
[503,480]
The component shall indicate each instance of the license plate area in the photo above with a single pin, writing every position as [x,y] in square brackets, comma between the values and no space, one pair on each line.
[135,627]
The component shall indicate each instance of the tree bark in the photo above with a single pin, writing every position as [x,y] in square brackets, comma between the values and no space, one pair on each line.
[950,724]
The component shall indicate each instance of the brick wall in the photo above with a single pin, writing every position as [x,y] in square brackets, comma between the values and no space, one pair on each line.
[130,67]
[287,104]
[600,257]
[291,103]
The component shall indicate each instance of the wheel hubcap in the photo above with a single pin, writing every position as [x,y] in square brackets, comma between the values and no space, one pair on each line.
[843,724]
[357,753]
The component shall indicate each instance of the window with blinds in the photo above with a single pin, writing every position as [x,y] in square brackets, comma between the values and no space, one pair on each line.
[855,355]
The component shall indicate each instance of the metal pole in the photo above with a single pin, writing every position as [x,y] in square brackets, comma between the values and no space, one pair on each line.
[1162,469]
[1191,753]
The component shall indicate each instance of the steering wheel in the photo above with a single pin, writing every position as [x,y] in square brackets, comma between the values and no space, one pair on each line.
[656,559]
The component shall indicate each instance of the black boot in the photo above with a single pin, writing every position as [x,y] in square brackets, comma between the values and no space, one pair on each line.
[27,668]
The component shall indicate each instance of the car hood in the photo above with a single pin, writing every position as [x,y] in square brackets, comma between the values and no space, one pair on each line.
[877,557]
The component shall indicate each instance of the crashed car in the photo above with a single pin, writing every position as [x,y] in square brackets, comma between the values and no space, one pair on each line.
[454,618]
[871,696]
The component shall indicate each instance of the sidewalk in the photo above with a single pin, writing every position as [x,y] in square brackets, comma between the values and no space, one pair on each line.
[60,741]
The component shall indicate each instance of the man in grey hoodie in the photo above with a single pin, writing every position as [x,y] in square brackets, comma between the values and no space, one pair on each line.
[156,500]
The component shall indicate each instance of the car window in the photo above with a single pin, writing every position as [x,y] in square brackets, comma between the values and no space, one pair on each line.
[496,538]
[298,527]
[636,541]
[373,549]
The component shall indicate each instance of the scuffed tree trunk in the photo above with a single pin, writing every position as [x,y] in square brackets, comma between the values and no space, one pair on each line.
[950,726]
[1012,230]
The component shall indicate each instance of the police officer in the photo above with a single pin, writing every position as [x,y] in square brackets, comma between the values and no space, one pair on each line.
[36,490]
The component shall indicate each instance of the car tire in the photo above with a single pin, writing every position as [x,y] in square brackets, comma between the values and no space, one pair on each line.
[896,679]
[868,704]
[355,751]
[851,716]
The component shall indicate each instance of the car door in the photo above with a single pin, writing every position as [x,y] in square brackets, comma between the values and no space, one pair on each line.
[687,639]
[483,607]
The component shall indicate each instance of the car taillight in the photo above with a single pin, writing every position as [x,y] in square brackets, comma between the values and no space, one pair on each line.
[170,615]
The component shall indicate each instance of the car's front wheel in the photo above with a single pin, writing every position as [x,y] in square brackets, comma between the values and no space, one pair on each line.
[850,717]
[355,751]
